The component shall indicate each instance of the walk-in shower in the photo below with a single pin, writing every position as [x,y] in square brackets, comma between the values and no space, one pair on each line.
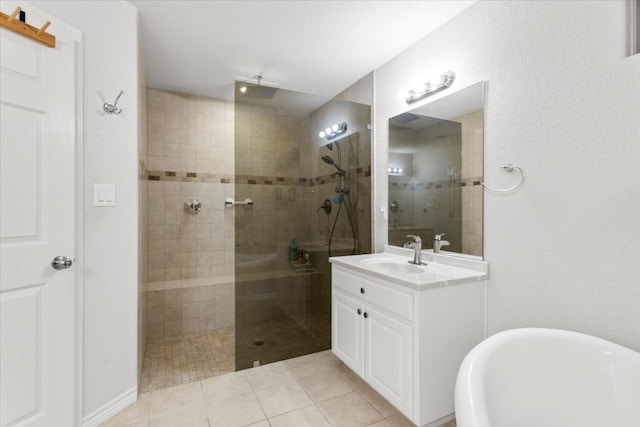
[223,293]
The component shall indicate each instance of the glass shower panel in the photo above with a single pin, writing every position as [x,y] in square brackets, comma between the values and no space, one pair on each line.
[273,292]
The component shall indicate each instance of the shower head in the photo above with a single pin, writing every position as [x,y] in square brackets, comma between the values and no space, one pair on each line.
[250,90]
[330,146]
[257,91]
[328,160]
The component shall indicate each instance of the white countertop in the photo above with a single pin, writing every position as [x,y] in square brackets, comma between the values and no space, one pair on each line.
[392,265]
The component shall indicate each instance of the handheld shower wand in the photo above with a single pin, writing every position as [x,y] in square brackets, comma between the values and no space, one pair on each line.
[328,160]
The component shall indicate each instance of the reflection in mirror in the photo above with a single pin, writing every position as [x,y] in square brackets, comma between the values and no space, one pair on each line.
[435,172]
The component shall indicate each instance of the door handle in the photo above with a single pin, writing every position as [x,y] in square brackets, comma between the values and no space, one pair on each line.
[61,262]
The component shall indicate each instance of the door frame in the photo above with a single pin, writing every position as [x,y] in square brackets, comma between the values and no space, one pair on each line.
[64,31]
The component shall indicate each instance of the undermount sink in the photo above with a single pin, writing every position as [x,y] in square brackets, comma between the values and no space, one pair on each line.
[393,266]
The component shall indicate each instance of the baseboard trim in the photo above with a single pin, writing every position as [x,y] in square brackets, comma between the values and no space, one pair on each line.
[107,411]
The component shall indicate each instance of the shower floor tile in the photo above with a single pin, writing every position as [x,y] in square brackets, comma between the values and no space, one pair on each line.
[173,361]
[184,359]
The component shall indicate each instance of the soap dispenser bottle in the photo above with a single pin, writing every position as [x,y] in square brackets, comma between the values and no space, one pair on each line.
[293,250]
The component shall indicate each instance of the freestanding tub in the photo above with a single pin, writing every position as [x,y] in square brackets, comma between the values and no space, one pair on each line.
[548,377]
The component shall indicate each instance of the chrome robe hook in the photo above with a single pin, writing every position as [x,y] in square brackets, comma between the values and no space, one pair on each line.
[113,108]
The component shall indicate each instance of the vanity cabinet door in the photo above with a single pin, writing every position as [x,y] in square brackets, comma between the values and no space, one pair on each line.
[347,332]
[389,358]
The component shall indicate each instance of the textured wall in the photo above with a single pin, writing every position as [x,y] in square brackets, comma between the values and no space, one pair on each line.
[562,103]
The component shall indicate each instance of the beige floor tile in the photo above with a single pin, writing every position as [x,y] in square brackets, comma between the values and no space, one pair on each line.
[399,420]
[263,423]
[325,386]
[352,378]
[349,410]
[327,358]
[305,417]
[190,417]
[281,398]
[138,424]
[382,423]
[378,402]
[174,399]
[312,364]
[136,413]
[234,410]
[269,375]
[226,385]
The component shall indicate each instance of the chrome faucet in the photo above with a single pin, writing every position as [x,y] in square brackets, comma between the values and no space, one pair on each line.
[438,243]
[416,245]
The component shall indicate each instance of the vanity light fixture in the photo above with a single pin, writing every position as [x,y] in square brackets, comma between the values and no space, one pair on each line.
[446,80]
[394,171]
[333,131]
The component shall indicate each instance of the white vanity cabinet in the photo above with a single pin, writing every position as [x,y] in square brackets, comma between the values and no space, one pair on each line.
[371,340]
[406,342]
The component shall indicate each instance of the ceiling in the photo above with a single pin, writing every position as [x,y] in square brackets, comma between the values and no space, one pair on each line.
[316,47]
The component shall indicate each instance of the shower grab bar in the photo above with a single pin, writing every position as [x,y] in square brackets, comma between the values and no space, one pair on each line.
[230,203]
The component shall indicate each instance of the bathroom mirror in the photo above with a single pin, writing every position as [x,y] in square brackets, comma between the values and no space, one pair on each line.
[436,170]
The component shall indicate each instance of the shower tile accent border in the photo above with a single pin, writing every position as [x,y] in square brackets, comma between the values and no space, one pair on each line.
[156,175]
[464,182]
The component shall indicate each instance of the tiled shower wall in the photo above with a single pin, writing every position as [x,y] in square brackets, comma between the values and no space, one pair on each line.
[190,257]
[471,174]
[269,171]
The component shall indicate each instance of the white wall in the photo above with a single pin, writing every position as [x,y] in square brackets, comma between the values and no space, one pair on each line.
[110,144]
[563,103]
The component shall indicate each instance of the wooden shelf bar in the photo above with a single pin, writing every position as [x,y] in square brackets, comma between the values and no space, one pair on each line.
[38,34]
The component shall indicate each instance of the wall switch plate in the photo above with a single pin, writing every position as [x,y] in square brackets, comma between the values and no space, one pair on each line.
[104,195]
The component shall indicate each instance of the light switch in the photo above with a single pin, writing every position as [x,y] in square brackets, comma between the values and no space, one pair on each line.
[104,195]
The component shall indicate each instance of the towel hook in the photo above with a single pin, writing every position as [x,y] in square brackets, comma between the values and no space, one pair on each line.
[508,168]
[113,108]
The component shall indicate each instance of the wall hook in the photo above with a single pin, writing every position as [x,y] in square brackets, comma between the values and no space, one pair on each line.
[113,108]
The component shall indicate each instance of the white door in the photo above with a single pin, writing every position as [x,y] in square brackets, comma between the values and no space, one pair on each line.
[38,204]
[347,331]
[389,358]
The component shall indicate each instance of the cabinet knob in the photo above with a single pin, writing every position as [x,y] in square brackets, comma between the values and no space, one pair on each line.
[362,290]
[359,311]
[365,315]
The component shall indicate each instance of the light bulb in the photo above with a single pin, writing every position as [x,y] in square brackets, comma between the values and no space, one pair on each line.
[335,128]
[243,89]
[389,170]
[322,134]
[328,131]
[399,170]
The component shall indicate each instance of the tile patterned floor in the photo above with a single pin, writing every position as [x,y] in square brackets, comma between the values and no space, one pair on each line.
[187,358]
[312,390]
[282,339]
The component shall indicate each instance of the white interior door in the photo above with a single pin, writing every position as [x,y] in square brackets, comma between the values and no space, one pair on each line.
[38,213]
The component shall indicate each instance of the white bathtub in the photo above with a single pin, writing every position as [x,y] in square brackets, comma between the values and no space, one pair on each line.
[547,377]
